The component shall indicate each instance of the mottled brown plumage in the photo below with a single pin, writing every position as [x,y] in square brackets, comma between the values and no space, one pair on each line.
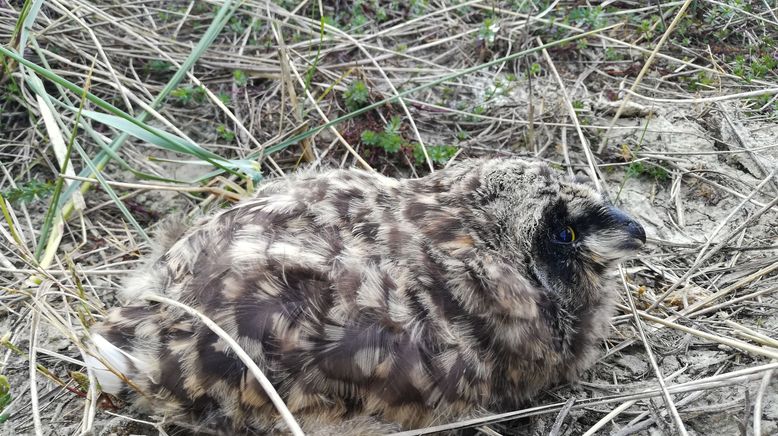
[376,300]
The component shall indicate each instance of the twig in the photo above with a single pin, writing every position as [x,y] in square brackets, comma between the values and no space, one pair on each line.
[154,187]
[556,429]
[294,427]
[734,343]
[33,368]
[715,249]
[328,123]
[736,96]
[594,173]
[758,403]
[734,377]
[660,379]
[646,67]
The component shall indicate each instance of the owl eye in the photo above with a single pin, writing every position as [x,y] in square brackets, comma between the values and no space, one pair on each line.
[565,235]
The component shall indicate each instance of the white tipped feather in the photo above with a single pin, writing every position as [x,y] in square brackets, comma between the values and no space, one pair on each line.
[118,359]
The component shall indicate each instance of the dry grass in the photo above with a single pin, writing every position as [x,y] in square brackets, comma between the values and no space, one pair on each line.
[674,116]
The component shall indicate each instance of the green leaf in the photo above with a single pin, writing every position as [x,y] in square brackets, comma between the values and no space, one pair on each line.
[5,397]
[29,191]
[418,153]
[394,125]
[441,153]
[171,142]
[369,137]
[357,96]
[390,142]
[5,392]
[25,22]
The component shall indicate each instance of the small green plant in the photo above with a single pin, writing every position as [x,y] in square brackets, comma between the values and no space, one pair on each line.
[357,96]
[657,173]
[390,140]
[763,100]
[330,21]
[682,30]
[488,30]
[204,8]
[5,397]
[158,66]
[645,29]
[722,34]
[592,17]
[534,70]
[81,379]
[758,68]
[12,87]
[727,10]
[740,68]
[578,105]
[237,24]
[286,4]
[380,14]
[358,18]
[764,104]
[439,154]
[189,94]
[225,133]
[446,92]
[491,91]
[763,65]
[523,6]
[29,191]
[240,77]
[418,7]
[701,81]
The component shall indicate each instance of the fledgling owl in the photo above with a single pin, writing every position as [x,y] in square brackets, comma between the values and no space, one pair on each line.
[366,298]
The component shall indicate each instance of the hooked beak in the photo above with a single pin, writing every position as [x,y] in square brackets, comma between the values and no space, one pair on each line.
[630,227]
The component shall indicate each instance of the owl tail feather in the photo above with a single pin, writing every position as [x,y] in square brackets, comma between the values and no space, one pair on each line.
[110,356]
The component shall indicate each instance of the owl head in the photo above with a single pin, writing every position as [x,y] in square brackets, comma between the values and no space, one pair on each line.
[564,234]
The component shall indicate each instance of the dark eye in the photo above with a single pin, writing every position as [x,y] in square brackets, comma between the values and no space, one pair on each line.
[565,235]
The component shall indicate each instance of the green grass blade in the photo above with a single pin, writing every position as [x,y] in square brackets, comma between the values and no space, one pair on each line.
[127,120]
[27,17]
[172,142]
[54,209]
[66,103]
[220,20]
[7,216]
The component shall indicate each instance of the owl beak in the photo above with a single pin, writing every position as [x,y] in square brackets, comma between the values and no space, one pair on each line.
[637,235]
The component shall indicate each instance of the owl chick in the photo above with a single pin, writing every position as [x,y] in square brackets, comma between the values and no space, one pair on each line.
[405,302]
